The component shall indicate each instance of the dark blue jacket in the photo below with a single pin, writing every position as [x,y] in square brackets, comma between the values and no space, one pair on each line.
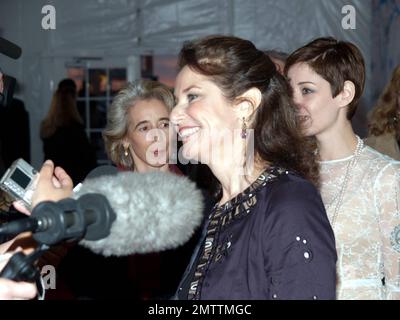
[273,241]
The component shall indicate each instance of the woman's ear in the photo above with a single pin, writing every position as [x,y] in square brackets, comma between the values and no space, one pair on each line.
[346,96]
[248,102]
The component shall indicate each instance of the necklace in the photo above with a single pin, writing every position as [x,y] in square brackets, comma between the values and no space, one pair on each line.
[340,194]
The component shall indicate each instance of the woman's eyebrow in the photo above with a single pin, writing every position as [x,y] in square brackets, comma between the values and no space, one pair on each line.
[141,122]
[306,82]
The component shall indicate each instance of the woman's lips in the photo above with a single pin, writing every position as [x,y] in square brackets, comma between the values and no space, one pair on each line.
[186,132]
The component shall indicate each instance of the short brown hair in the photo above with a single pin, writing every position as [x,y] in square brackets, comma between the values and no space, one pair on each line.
[235,65]
[336,61]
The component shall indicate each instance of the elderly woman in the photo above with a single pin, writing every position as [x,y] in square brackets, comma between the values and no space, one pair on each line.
[137,133]
[138,138]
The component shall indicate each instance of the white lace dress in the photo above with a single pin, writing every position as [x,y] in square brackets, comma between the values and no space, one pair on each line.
[367,226]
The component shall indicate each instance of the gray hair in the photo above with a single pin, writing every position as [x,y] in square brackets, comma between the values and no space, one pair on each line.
[118,120]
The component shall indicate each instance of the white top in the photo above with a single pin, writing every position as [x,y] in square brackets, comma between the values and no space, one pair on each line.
[367,226]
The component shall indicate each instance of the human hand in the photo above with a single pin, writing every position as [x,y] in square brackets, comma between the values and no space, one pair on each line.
[24,241]
[11,290]
[52,185]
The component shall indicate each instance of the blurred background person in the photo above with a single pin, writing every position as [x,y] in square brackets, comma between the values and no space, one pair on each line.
[14,142]
[14,130]
[64,137]
[65,142]
[384,120]
[2,166]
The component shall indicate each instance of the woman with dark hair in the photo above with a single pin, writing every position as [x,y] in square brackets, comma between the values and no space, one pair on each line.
[359,186]
[268,237]
[64,137]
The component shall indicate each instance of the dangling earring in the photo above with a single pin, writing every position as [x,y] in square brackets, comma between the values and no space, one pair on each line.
[244,129]
[126,151]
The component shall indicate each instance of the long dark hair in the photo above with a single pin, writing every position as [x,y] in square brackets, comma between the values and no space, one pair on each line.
[63,110]
[236,65]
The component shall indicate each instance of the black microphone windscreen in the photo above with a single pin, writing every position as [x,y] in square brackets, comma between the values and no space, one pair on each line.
[10,49]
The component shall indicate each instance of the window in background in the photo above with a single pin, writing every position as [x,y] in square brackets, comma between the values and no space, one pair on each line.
[97,87]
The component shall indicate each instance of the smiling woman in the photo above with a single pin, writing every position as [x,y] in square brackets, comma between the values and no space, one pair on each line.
[269,236]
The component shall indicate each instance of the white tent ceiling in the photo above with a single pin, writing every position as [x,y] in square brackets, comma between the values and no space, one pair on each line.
[122,28]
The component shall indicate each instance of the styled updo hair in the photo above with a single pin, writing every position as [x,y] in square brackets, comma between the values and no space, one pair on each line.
[235,65]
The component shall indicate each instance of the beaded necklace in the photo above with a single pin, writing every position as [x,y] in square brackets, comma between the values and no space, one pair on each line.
[340,194]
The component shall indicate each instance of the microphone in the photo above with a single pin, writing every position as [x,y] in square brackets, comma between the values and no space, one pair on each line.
[51,222]
[155,211]
[35,222]
[10,49]
[120,214]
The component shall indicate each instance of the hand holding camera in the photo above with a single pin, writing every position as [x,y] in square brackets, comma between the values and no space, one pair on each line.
[19,182]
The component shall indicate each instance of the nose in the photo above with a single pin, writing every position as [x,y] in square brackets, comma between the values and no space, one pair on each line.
[177,115]
[296,100]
